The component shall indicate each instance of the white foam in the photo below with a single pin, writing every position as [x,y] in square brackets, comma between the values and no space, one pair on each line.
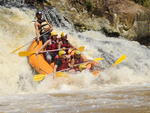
[16,75]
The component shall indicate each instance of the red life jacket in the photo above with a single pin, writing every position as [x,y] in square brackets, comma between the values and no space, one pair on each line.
[52,46]
[65,43]
[62,63]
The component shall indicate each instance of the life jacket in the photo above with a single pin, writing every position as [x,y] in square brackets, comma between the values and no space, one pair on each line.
[43,25]
[65,46]
[78,60]
[52,46]
[65,43]
[62,63]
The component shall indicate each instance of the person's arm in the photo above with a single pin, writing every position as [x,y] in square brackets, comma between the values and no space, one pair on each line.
[37,32]
[59,44]
[45,44]
[71,64]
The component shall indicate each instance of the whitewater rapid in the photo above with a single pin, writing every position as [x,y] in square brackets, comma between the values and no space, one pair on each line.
[17,28]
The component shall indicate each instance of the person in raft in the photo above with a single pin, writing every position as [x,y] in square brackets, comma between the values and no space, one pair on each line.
[64,41]
[62,61]
[42,28]
[76,60]
[51,44]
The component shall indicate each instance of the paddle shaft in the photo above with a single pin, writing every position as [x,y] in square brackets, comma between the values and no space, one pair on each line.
[20,47]
[56,50]
[52,50]
[27,43]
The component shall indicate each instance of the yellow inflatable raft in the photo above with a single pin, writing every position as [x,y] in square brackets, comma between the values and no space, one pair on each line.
[39,63]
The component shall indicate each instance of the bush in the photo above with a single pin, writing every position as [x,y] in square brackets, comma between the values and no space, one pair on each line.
[145,3]
[88,6]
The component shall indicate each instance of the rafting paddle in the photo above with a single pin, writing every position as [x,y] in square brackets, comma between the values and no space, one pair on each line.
[20,47]
[97,59]
[40,77]
[118,61]
[26,43]
[26,53]
[81,49]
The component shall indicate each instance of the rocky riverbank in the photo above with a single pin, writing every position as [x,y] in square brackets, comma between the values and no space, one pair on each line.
[113,17]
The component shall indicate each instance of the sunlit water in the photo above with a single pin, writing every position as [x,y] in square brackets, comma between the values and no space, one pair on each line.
[124,88]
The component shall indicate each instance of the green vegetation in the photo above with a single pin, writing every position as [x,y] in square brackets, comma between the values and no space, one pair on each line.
[145,3]
[88,5]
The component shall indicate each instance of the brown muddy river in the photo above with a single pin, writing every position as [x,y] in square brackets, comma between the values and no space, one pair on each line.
[124,99]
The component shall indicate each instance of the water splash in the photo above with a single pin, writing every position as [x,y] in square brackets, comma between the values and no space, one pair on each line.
[16,28]
[56,19]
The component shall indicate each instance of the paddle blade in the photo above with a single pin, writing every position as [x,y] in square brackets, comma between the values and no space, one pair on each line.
[96,72]
[81,49]
[97,59]
[17,49]
[25,53]
[61,74]
[39,77]
[120,60]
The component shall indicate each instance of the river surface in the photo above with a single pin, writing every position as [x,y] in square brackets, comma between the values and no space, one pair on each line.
[124,88]
[125,99]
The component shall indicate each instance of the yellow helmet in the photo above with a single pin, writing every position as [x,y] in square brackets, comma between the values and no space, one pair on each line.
[53,33]
[82,66]
[61,53]
[62,34]
[77,52]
